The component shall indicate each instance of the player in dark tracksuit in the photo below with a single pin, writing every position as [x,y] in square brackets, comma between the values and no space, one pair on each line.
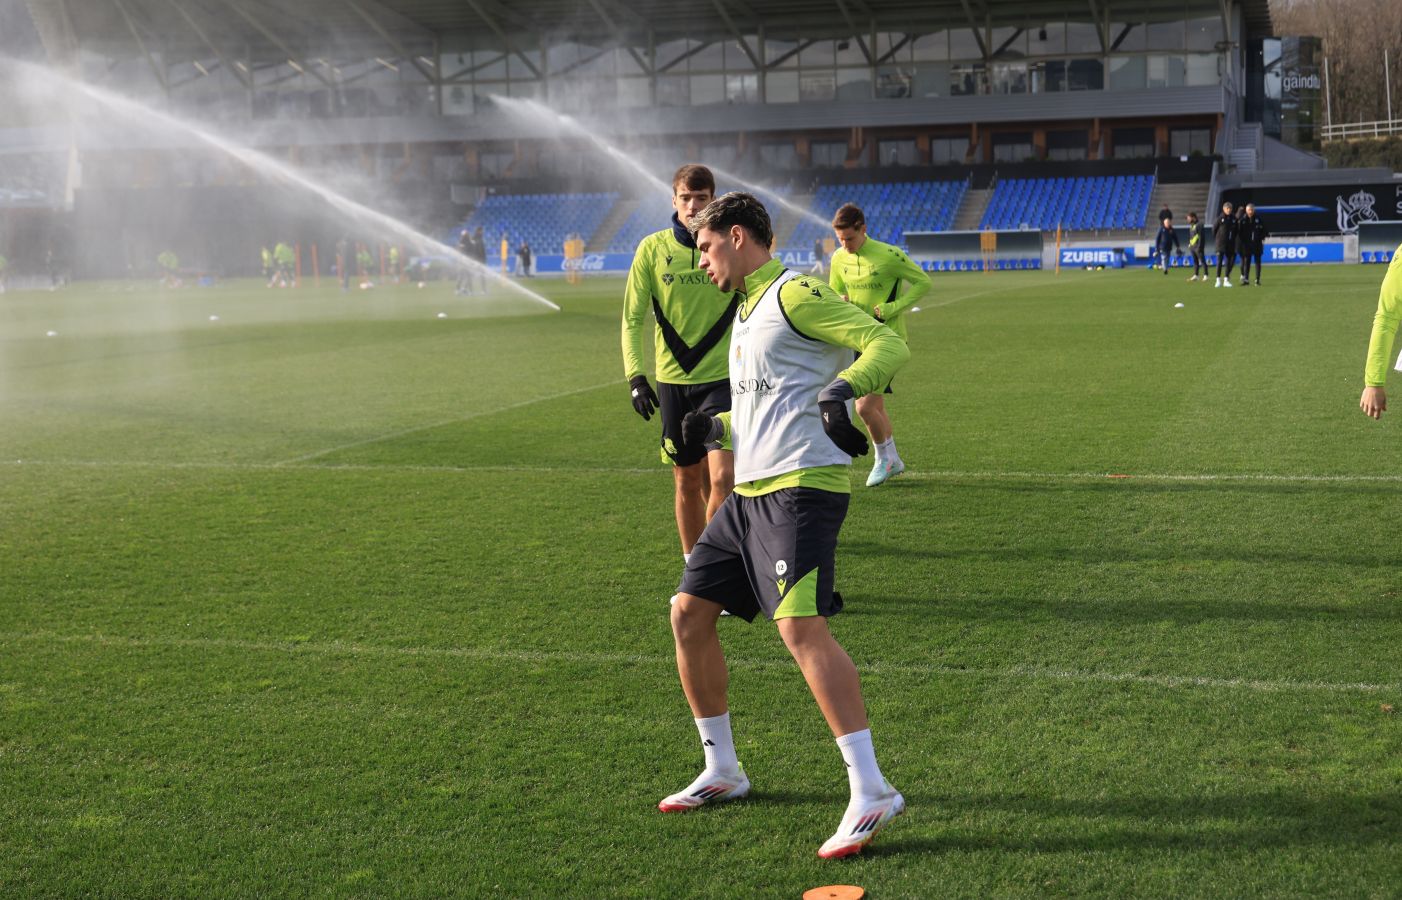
[1253,238]
[1195,247]
[1165,242]
[1243,245]
[1224,241]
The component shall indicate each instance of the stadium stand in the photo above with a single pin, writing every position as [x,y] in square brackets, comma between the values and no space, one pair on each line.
[1077,204]
[31,179]
[653,213]
[892,209]
[542,220]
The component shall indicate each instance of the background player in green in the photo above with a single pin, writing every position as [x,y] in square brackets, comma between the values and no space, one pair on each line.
[286,259]
[1374,399]
[771,547]
[870,275]
[692,331]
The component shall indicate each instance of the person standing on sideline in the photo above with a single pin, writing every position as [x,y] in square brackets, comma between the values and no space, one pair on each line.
[819,254]
[1256,235]
[1224,241]
[771,548]
[883,282]
[465,247]
[1389,314]
[1243,245]
[1195,247]
[1165,242]
[692,319]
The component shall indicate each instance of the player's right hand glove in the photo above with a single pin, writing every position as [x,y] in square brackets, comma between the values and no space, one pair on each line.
[644,398]
[700,428]
[832,403]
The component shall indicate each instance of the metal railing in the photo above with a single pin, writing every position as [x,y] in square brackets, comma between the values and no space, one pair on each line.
[1380,128]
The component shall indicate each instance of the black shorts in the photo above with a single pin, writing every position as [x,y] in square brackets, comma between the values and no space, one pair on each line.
[775,553]
[857,356]
[676,400]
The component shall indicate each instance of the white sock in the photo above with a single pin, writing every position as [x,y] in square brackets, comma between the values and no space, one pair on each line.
[718,744]
[863,774]
[686,558]
[886,450]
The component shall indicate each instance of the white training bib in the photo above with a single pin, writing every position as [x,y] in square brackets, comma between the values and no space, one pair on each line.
[775,376]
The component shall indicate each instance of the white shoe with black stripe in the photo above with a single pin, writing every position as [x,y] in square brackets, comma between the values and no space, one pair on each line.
[861,822]
[709,788]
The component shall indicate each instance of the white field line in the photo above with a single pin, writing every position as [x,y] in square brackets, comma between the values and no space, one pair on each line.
[934,475]
[917,670]
[431,425]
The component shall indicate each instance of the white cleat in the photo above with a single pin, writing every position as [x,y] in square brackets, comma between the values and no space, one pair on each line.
[883,471]
[709,788]
[861,822]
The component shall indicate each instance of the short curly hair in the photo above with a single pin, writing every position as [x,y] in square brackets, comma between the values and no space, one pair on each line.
[736,208]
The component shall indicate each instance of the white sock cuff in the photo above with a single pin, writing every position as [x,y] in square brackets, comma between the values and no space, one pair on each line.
[854,739]
[714,721]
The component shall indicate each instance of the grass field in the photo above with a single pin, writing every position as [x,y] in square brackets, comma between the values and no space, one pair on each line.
[335,597]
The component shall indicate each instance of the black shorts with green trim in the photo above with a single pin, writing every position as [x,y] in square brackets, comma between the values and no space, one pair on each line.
[775,553]
[856,356]
[676,400]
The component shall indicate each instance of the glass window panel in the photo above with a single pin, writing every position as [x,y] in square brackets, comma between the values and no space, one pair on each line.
[932,46]
[1015,38]
[894,82]
[816,86]
[827,154]
[626,64]
[1202,69]
[634,92]
[516,64]
[897,152]
[1085,75]
[948,150]
[493,65]
[673,90]
[892,47]
[931,80]
[778,50]
[710,58]
[736,60]
[1009,78]
[1128,73]
[1166,71]
[1082,37]
[781,87]
[527,89]
[854,84]
[1205,33]
[967,79]
[818,54]
[1165,35]
[707,89]
[1055,76]
[1124,36]
[779,155]
[1043,40]
[849,52]
[963,45]
[742,88]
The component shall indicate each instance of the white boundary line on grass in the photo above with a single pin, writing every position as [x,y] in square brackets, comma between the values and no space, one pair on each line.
[934,475]
[1020,672]
[431,425]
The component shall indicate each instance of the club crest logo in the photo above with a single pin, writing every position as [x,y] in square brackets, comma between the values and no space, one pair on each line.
[1358,208]
[668,277]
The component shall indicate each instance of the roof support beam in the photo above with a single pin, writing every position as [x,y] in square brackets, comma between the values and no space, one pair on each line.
[246,81]
[1226,9]
[896,47]
[974,27]
[1100,24]
[292,56]
[393,42]
[735,32]
[782,58]
[851,23]
[618,33]
[685,56]
[477,7]
[131,26]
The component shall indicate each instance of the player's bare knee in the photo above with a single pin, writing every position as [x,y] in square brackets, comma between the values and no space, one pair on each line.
[688,479]
[693,618]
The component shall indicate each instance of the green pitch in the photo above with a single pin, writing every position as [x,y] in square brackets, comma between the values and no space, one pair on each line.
[332,596]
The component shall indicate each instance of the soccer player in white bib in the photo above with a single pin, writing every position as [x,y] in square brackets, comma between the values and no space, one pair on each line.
[1385,321]
[771,547]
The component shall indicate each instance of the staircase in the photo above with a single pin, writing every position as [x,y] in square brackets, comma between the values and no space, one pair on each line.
[603,235]
[971,210]
[1247,147]
[1181,199]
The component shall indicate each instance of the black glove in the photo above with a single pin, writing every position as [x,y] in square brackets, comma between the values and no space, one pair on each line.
[644,398]
[700,428]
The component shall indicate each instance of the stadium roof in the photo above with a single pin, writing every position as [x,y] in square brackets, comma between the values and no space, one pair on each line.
[269,29]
